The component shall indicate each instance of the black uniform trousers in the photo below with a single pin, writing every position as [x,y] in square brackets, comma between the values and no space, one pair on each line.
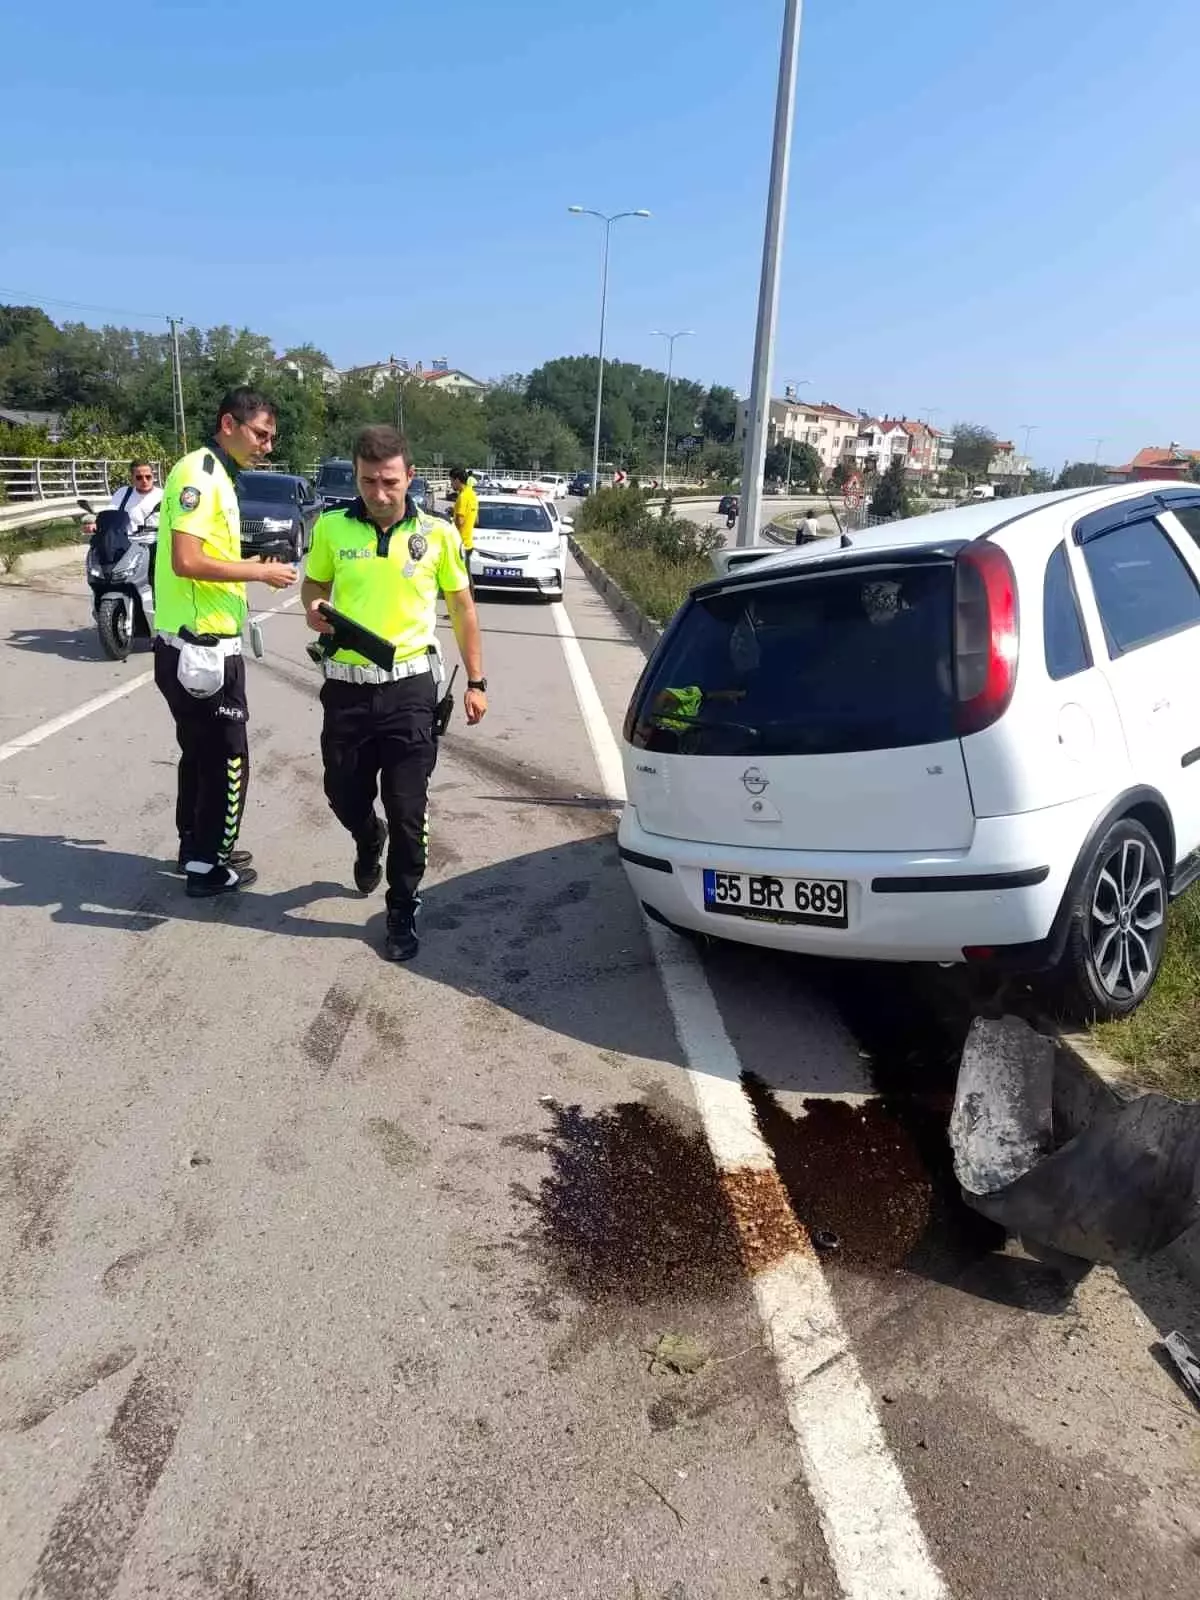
[379,738]
[214,761]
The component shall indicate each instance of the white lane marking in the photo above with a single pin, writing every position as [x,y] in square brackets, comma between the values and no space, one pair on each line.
[273,611]
[871,1530]
[26,741]
[46,730]
[595,719]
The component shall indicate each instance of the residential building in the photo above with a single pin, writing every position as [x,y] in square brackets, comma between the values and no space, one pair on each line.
[825,426]
[1155,461]
[378,374]
[926,444]
[877,443]
[452,380]
[1007,465]
[331,378]
[53,422]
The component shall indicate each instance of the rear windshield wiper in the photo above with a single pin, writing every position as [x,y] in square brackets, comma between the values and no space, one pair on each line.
[669,720]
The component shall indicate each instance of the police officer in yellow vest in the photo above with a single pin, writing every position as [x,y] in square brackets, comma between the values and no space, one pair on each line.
[200,608]
[383,564]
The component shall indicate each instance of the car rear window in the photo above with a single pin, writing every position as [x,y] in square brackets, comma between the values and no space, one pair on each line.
[824,664]
[514,519]
[266,486]
[337,478]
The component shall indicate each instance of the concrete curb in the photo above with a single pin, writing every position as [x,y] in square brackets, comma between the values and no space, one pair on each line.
[627,612]
[1088,1083]
[62,555]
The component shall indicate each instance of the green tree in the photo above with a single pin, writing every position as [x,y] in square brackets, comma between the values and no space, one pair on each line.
[719,414]
[1080,475]
[974,448]
[891,497]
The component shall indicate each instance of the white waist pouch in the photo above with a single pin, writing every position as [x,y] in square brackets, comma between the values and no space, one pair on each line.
[201,669]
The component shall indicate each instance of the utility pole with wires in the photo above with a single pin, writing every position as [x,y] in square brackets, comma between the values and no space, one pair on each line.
[177,388]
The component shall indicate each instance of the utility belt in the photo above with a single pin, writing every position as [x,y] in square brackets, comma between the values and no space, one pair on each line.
[429,660]
[202,657]
[228,644]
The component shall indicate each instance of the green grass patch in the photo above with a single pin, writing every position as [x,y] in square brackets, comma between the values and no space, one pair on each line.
[655,556]
[23,541]
[1160,1042]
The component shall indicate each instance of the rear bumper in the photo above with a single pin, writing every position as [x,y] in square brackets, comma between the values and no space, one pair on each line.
[1002,893]
[532,577]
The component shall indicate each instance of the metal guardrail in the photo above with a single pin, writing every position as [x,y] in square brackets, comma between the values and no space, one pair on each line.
[31,478]
[35,513]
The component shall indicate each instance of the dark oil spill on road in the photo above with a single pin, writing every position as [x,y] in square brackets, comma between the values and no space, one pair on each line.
[877,1178]
[633,1209]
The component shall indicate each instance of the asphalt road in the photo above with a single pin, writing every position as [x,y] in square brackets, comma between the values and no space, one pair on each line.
[320,1277]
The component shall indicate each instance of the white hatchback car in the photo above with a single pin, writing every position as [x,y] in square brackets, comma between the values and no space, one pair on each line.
[971,736]
[520,544]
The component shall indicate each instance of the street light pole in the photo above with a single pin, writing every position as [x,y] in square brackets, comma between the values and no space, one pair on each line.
[684,333]
[768,290]
[177,387]
[584,211]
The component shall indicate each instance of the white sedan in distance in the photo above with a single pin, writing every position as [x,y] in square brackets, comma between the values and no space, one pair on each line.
[520,545]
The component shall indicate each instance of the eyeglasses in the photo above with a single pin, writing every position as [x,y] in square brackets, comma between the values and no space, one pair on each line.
[263,436]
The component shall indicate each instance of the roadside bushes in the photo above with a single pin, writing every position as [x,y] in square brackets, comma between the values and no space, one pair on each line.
[654,555]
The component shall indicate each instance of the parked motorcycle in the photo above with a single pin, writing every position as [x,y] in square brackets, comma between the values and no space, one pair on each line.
[120,574]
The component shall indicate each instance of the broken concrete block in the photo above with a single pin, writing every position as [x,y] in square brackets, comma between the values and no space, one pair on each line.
[1002,1124]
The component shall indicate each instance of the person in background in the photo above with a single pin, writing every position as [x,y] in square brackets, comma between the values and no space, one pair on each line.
[466,514]
[140,498]
[807,529]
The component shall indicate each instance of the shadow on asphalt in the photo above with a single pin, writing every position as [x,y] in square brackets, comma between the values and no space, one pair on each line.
[68,644]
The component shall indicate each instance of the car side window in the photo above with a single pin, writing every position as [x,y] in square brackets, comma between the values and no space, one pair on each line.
[1144,588]
[1066,645]
[1190,517]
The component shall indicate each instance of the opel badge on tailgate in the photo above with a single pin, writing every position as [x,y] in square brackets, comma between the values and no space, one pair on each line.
[755,782]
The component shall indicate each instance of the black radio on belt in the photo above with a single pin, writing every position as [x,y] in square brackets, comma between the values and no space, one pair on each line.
[444,709]
[349,635]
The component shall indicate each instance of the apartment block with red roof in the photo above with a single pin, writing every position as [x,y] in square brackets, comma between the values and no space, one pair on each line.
[1157,461]
[824,426]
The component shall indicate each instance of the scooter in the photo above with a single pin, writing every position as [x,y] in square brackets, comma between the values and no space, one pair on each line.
[731,515]
[120,574]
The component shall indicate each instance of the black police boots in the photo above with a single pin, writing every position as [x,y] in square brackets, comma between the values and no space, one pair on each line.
[219,880]
[401,943]
[368,863]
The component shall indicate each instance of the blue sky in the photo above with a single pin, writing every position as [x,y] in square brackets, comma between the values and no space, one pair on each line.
[994,208]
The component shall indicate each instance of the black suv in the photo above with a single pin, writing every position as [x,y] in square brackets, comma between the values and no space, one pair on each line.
[580,485]
[335,484]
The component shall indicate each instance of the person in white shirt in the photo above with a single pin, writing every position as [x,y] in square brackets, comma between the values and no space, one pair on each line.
[140,497]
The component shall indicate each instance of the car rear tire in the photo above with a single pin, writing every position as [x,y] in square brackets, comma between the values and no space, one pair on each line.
[1117,929]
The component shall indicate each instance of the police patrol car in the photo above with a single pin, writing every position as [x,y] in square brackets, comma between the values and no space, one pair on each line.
[520,544]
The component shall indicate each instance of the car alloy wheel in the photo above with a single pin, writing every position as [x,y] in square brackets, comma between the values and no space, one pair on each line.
[1127,921]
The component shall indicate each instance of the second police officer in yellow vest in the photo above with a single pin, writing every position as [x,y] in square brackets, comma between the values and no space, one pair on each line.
[383,564]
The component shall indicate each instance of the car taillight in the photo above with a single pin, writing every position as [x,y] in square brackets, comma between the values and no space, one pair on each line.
[986,636]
